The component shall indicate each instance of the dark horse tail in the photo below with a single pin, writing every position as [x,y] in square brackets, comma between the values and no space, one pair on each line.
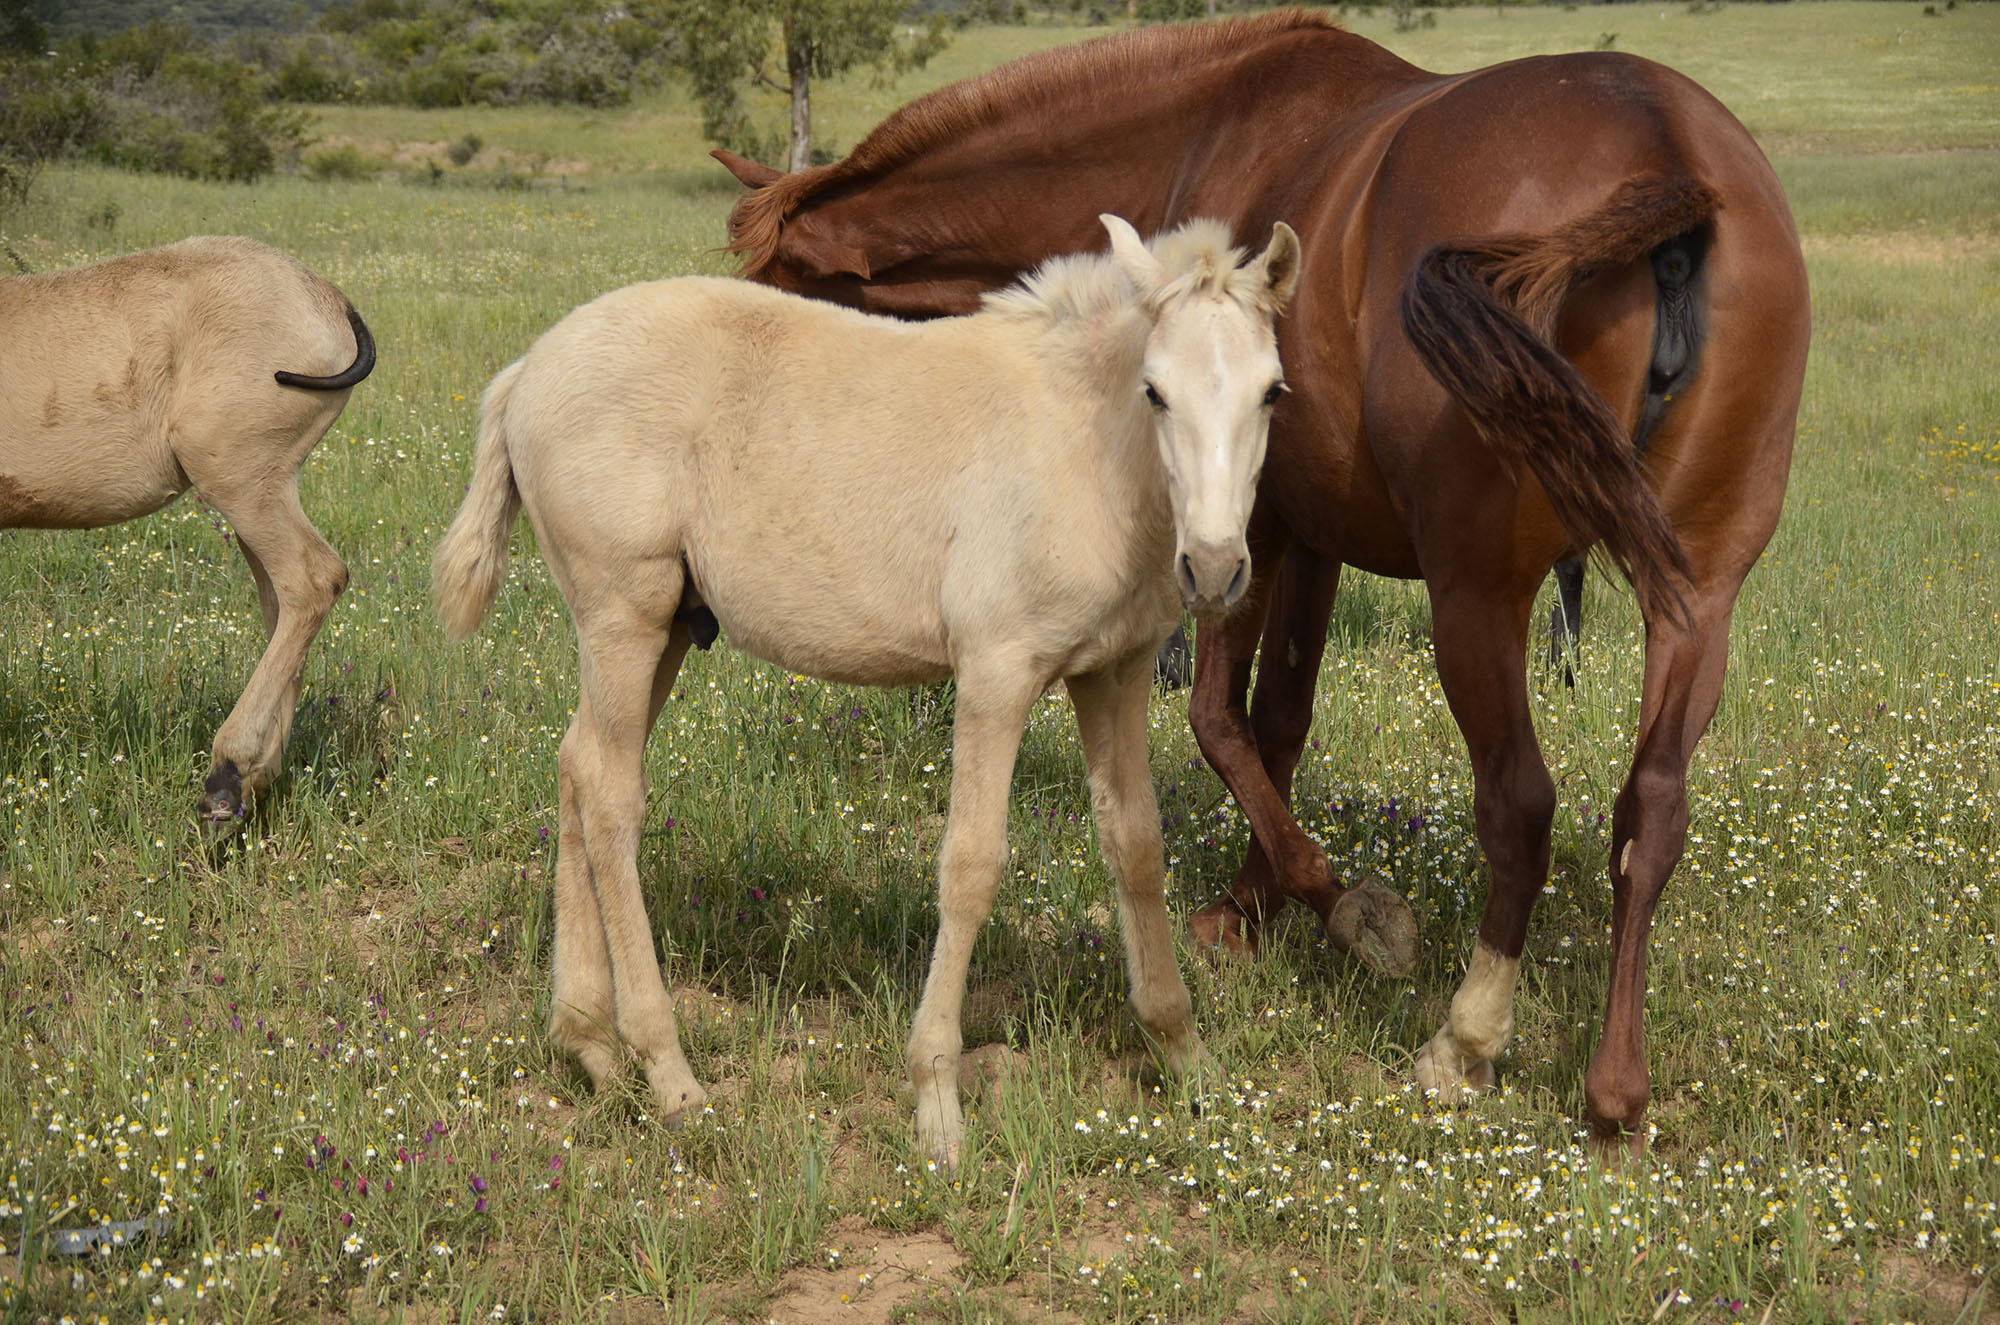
[364,362]
[1482,313]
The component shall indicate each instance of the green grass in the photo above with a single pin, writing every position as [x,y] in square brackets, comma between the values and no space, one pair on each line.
[228,1039]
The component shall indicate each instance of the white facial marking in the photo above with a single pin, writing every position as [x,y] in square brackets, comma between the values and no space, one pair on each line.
[1625,858]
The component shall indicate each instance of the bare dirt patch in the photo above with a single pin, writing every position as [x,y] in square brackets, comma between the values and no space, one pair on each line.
[877,1273]
[1947,1292]
[420,154]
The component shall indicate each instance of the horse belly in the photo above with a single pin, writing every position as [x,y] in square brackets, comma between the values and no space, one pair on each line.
[842,605]
[832,636]
[78,454]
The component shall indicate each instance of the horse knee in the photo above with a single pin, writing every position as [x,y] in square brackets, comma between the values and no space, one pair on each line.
[1534,800]
[969,881]
[323,577]
[336,578]
[1213,716]
[1515,818]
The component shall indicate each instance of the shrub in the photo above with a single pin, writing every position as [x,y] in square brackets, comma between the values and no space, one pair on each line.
[197,116]
[343,162]
[46,112]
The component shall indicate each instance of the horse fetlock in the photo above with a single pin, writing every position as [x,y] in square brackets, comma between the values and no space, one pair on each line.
[1482,1038]
[594,1050]
[1186,1058]
[1482,1012]
[681,1097]
[940,1125]
[1443,1066]
[1222,927]
[1376,927]
[1615,1098]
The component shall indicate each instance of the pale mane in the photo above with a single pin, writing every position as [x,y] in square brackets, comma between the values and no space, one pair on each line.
[963,107]
[1199,261]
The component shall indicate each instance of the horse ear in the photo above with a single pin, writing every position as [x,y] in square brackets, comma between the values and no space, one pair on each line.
[1131,254]
[753,174]
[1280,263]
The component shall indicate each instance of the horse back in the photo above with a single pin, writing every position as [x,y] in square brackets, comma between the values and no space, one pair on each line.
[849,495]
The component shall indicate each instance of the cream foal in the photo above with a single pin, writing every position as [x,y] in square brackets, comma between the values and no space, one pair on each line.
[1021,495]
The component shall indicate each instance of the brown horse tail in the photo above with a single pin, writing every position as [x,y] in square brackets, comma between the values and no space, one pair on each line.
[364,362]
[1481,313]
[471,558]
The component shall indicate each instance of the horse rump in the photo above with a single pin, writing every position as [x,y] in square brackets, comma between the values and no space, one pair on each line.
[1481,314]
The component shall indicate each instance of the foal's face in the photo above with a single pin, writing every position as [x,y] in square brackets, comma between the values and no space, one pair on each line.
[1212,377]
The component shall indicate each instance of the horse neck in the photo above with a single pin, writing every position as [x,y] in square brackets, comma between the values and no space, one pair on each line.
[1027,176]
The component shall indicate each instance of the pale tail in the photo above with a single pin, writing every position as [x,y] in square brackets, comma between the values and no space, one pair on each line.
[472,558]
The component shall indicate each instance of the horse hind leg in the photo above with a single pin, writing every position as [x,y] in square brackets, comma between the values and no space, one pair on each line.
[1481,644]
[630,655]
[582,1012]
[299,577]
[1649,823]
[1566,617]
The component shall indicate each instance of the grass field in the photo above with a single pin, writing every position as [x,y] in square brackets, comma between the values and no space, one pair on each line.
[319,1056]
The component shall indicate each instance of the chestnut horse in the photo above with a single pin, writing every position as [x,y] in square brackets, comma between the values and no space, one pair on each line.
[1512,274]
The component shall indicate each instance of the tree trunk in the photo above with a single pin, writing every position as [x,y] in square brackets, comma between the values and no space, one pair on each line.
[798,63]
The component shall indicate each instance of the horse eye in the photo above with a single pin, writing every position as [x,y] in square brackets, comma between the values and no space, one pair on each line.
[1271,396]
[1154,398]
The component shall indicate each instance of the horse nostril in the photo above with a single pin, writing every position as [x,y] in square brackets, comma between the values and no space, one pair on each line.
[1239,581]
[1185,571]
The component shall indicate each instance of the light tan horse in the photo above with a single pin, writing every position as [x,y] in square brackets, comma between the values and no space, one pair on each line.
[1009,497]
[124,383]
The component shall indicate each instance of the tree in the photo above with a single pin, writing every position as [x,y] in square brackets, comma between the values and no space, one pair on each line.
[729,47]
[24,26]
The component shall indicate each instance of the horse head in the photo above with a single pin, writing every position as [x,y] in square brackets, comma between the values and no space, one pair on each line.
[1211,377]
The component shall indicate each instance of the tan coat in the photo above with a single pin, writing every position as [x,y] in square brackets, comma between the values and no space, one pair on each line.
[215,363]
[990,497]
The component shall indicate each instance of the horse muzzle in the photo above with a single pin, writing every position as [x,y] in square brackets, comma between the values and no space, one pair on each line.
[1212,577]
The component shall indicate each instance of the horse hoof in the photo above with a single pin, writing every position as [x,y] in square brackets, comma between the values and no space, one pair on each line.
[1615,1147]
[1440,1070]
[1221,928]
[222,806]
[679,1100]
[1375,926]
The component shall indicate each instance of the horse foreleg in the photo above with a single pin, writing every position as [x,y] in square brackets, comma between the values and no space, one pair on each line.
[581,1005]
[299,577]
[1256,751]
[1566,617]
[992,707]
[1480,635]
[1111,715]
[624,657]
[1649,822]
